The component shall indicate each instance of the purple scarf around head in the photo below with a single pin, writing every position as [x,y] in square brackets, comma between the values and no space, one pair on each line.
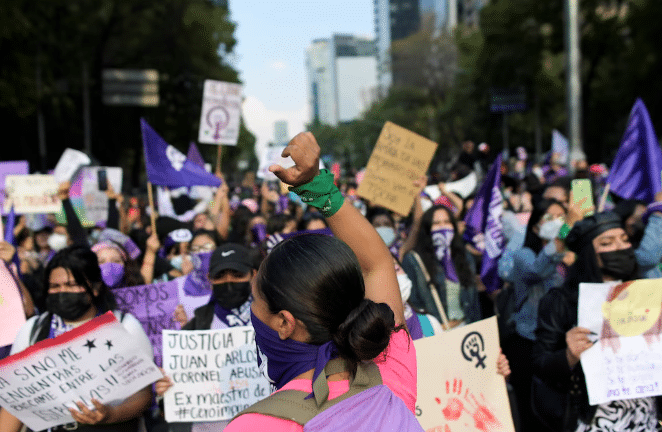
[230,318]
[196,283]
[287,359]
[441,240]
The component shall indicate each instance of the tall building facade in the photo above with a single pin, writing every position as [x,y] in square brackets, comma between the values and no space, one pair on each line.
[342,74]
[398,19]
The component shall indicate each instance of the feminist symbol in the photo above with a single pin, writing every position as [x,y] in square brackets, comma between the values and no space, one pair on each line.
[472,347]
[218,118]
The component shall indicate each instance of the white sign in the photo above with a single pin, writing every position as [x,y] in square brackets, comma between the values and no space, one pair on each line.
[215,374]
[221,111]
[271,156]
[96,360]
[34,193]
[96,201]
[626,360]
[70,161]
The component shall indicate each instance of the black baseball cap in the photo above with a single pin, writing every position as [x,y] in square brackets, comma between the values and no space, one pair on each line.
[589,228]
[230,256]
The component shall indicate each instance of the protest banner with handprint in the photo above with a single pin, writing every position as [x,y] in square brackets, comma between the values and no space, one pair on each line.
[459,389]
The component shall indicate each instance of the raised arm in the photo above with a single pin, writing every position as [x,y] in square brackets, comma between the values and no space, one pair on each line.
[349,226]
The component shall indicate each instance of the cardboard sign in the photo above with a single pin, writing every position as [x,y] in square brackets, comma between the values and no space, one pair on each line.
[399,157]
[10,168]
[70,161]
[458,385]
[96,360]
[12,314]
[35,193]
[215,374]
[626,360]
[221,111]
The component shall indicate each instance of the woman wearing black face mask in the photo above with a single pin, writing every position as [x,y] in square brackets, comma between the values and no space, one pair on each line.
[76,294]
[231,268]
[604,253]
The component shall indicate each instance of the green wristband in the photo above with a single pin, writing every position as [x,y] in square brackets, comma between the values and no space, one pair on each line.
[564,231]
[321,193]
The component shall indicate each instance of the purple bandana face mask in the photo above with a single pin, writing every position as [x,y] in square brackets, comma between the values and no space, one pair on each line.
[441,240]
[284,360]
[112,273]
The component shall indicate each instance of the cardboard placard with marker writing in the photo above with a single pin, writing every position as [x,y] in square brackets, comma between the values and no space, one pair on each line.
[399,158]
[459,389]
[95,360]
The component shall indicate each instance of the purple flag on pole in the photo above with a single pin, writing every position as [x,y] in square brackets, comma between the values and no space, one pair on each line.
[194,155]
[167,166]
[635,173]
[9,226]
[484,228]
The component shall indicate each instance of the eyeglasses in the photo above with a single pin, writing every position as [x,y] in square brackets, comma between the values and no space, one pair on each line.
[207,247]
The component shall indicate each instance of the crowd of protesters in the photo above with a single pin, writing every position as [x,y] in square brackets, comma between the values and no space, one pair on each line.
[255,233]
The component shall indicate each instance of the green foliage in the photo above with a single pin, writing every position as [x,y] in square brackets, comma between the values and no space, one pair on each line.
[187,41]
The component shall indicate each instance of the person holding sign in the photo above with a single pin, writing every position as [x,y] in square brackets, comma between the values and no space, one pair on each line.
[318,298]
[76,294]
[604,253]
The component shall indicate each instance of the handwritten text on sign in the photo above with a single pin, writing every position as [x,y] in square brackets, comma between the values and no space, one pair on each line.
[399,158]
[215,374]
[96,360]
[626,360]
[34,193]
[154,305]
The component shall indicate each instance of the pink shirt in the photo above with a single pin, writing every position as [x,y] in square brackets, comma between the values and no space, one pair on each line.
[397,366]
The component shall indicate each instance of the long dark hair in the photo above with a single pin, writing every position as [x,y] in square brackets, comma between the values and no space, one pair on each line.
[531,239]
[318,280]
[425,248]
[84,267]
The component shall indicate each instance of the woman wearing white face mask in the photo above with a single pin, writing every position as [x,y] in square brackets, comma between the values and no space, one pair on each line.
[535,269]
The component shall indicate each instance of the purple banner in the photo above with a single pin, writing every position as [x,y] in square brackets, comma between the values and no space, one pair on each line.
[484,228]
[10,168]
[154,306]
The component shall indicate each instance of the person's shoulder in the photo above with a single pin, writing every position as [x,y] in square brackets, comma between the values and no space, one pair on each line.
[261,422]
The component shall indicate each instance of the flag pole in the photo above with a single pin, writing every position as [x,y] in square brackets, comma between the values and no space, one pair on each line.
[152,213]
[603,198]
[219,155]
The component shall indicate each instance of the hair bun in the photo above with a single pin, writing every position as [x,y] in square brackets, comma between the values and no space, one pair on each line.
[366,331]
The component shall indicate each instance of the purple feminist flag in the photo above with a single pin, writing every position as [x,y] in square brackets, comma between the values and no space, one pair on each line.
[484,228]
[9,226]
[167,166]
[635,173]
[194,155]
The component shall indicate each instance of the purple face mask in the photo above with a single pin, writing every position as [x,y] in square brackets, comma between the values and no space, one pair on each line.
[441,240]
[286,359]
[112,273]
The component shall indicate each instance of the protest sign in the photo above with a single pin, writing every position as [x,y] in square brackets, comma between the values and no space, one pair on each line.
[221,110]
[272,155]
[458,385]
[399,158]
[96,201]
[214,372]
[12,315]
[154,306]
[10,168]
[95,360]
[70,161]
[35,193]
[626,360]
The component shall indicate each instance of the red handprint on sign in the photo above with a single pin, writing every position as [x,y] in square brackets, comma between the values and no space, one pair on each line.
[458,404]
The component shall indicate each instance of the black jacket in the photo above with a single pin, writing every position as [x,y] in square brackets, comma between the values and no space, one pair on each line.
[202,319]
[559,395]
